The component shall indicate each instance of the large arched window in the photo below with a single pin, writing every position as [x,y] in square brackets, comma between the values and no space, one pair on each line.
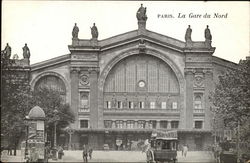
[52,82]
[141,82]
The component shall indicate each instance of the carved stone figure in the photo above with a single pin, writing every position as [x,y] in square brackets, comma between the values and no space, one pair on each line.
[7,51]
[15,56]
[188,34]
[75,31]
[208,35]
[94,31]
[26,51]
[141,13]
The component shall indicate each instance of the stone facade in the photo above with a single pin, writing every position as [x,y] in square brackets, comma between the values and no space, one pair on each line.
[123,87]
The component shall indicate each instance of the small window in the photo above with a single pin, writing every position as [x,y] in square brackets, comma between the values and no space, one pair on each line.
[141,105]
[130,105]
[163,105]
[163,124]
[108,124]
[119,124]
[130,124]
[108,104]
[152,105]
[84,123]
[141,124]
[198,124]
[174,105]
[197,102]
[119,105]
[152,124]
[174,124]
[84,100]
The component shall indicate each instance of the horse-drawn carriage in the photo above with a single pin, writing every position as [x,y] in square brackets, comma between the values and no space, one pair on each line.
[162,147]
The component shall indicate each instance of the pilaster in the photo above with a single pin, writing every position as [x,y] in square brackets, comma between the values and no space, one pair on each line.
[94,112]
[189,75]
[208,87]
[74,75]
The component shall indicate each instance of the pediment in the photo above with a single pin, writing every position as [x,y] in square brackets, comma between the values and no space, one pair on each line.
[126,38]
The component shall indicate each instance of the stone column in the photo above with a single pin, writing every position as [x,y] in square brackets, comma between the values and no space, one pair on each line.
[208,87]
[189,75]
[74,75]
[158,124]
[147,125]
[124,124]
[94,115]
[136,124]
[113,124]
[169,125]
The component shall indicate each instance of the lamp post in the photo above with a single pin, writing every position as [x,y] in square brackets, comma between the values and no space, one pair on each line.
[70,131]
[56,118]
[26,153]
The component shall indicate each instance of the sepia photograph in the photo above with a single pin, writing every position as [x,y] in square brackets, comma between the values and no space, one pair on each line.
[125,81]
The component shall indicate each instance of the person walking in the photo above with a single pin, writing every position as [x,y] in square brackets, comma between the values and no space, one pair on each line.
[90,153]
[60,152]
[85,154]
[185,150]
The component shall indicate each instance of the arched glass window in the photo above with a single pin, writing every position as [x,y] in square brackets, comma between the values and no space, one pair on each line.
[52,82]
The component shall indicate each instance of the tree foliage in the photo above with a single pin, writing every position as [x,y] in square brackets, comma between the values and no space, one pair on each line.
[231,98]
[17,100]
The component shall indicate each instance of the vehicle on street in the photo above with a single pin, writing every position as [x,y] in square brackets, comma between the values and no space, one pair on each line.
[162,147]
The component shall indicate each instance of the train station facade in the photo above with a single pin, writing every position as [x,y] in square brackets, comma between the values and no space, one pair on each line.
[124,87]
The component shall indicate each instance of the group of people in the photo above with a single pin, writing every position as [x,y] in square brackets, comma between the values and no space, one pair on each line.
[87,152]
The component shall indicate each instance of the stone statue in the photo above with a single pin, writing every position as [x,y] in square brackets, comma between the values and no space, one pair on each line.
[188,34]
[26,51]
[75,31]
[15,57]
[141,13]
[94,31]
[7,51]
[208,35]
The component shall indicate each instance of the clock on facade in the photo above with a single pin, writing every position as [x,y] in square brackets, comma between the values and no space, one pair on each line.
[141,84]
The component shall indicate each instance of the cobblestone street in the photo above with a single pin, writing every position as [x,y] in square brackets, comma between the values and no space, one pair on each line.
[118,156]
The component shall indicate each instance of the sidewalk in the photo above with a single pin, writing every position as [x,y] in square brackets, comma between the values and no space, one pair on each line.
[119,156]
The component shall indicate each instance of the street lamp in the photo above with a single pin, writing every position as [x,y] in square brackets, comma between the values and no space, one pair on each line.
[70,131]
[56,118]
[26,122]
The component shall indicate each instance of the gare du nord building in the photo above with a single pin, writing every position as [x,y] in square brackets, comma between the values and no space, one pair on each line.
[124,87]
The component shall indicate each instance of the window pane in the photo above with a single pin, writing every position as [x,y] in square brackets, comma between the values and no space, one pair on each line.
[83,123]
[198,124]
[163,105]
[163,124]
[174,124]
[174,105]
[152,105]
[107,124]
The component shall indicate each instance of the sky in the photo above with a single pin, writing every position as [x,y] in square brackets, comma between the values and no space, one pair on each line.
[46,26]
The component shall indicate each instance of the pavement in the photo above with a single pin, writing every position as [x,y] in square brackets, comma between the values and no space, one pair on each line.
[119,156]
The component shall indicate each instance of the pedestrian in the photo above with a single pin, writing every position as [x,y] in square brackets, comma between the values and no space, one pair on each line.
[185,150]
[182,149]
[60,152]
[85,154]
[90,153]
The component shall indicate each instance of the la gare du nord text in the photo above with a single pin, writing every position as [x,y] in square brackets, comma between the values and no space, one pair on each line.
[193,15]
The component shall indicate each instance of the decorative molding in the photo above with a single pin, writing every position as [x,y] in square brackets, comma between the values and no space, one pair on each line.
[84,79]
[199,80]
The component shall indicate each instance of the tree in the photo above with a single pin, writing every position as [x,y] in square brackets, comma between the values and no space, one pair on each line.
[231,98]
[14,94]
[17,99]
[50,100]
